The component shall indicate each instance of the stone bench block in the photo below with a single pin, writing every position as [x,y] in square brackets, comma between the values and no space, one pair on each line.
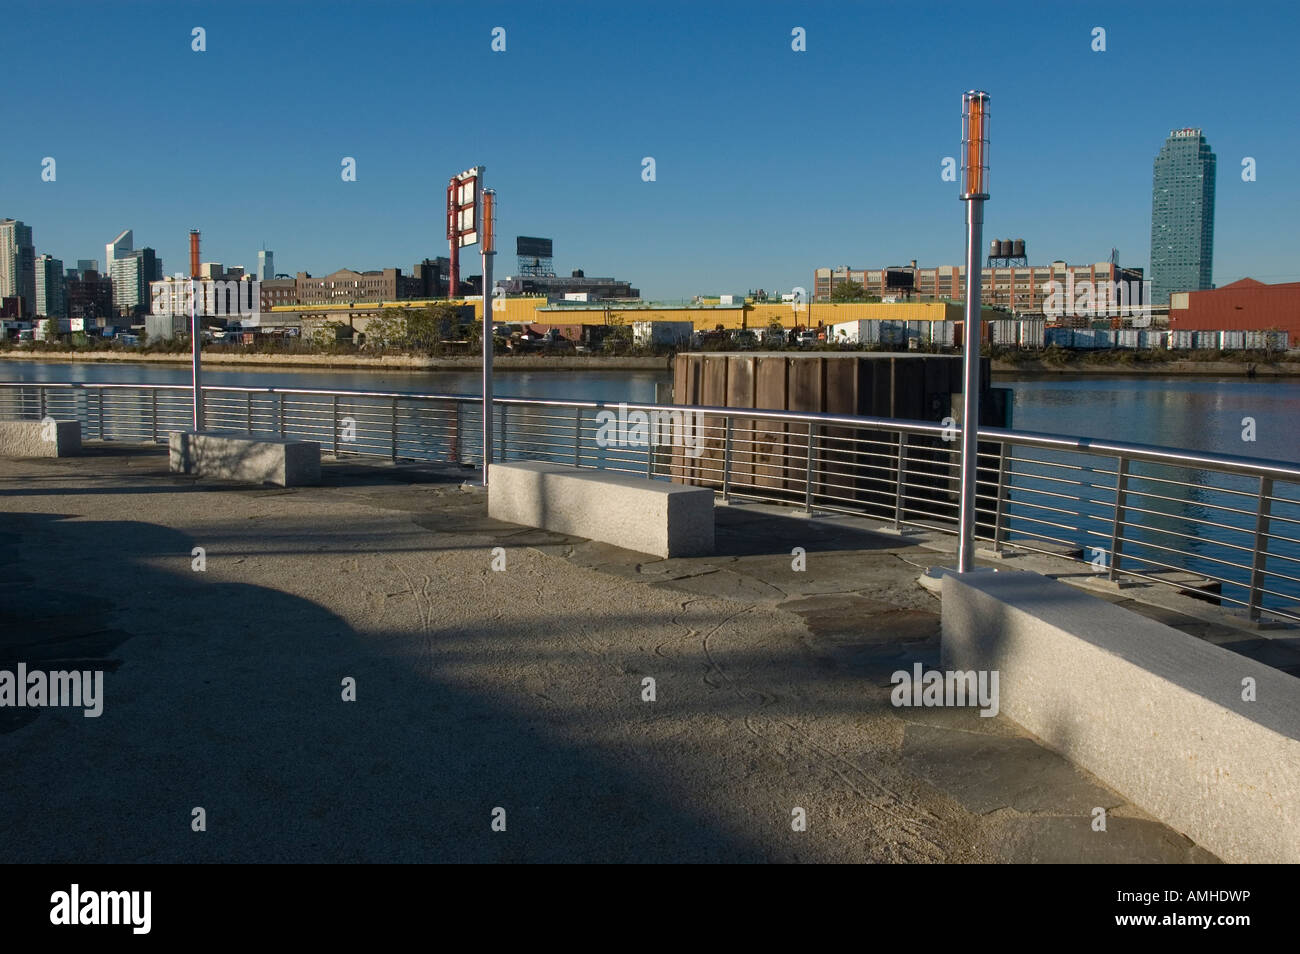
[649,516]
[48,438]
[1155,713]
[249,458]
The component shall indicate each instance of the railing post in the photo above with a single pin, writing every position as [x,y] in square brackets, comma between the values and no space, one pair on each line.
[99,394]
[394,429]
[279,403]
[1262,516]
[577,438]
[457,412]
[999,515]
[502,456]
[652,432]
[41,393]
[808,471]
[1116,537]
[153,401]
[335,431]
[249,407]
[726,458]
[899,488]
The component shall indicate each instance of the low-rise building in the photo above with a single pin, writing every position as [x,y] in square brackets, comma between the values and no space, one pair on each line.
[1245,305]
[1020,289]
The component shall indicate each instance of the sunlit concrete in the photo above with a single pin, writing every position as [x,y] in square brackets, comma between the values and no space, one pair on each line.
[246,458]
[1205,739]
[649,516]
[48,438]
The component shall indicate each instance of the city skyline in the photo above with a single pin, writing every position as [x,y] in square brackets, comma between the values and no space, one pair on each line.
[737,121]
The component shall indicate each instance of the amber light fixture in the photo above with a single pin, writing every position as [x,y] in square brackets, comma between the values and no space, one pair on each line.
[975,144]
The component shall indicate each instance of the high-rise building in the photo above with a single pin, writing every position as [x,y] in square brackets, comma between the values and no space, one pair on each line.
[119,246]
[1182,216]
[90,296]
[18,264]
[265,265]
[50,301]
[84,265]
[132,273]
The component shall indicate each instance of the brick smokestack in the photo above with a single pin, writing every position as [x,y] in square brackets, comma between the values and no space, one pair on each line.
[194,253]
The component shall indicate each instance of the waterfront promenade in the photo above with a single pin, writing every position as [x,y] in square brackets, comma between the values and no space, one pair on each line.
[477,689]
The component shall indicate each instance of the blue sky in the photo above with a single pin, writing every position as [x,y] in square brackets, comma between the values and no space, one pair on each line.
[769,162]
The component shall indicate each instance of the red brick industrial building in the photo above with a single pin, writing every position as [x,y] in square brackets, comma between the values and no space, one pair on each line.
[1245,305]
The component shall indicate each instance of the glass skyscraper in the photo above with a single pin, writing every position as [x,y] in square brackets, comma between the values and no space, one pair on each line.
[1182,216]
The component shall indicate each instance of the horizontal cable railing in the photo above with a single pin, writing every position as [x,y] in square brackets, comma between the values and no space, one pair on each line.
[1221,527]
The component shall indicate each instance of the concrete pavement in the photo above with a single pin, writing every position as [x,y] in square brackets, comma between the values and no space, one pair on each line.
[521,689]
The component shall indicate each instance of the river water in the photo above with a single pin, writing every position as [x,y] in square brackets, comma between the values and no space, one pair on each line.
[1204,414]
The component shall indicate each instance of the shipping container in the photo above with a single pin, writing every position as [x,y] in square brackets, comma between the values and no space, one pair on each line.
[1205,340]
[1058,337]
[893,333]
[852,332]
[943,333]
[1031,332]
[669,334]
[1180,340]
[1232,340]
[1128,338]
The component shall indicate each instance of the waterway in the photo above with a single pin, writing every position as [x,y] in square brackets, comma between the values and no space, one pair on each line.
[1203,414]
[1215,415]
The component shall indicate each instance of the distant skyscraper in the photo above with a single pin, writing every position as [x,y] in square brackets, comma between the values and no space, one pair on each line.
[1182,216]
[265,265]
[132,273]
[119,246]
[18,263]
[50,301]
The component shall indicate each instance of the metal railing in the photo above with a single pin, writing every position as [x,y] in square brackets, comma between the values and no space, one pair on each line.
[1222,527]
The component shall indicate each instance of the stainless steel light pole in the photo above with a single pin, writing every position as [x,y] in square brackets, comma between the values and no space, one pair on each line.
[975,140]
[488,239]
[196,354]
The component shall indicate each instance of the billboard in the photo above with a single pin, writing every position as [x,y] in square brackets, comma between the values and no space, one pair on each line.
[898,278]
[462,207]
[528,247]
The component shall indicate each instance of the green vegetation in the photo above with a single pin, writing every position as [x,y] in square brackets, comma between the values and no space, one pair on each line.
[413,330]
